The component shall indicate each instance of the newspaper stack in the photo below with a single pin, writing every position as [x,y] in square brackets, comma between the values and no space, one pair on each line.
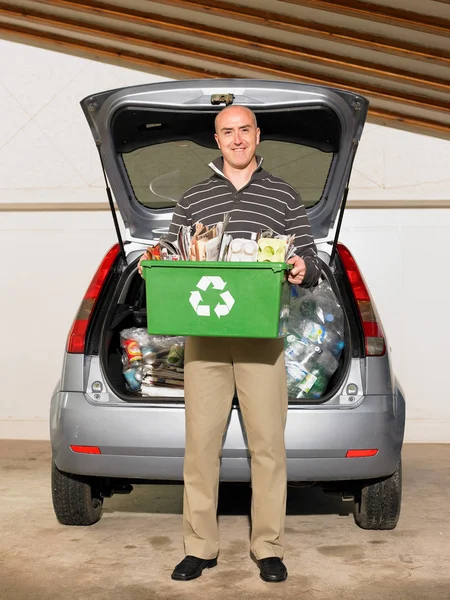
[161,374]
[165,370]
[206,243]
[212,243]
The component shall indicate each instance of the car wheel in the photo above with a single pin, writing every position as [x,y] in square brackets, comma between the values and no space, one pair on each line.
[75,500]
[377,506]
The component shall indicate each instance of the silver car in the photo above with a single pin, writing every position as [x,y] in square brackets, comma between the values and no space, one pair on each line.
[154,142]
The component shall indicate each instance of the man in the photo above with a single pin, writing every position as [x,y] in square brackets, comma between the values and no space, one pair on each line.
[255,200]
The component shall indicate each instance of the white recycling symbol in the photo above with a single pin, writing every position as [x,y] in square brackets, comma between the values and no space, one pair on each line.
[203,310]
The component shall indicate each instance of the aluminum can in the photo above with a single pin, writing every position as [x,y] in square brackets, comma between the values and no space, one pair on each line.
[130,377]
[176,354]
[133,351]
[148,354]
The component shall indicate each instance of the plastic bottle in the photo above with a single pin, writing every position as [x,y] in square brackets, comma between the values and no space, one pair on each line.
[314,332]
[292,382]
[308,308]
[300,358]
[327,308]
[308,370]
[319,373]
[295,374]
[300,349]
[295,349]
[333,342]
[314,385]
[309,331]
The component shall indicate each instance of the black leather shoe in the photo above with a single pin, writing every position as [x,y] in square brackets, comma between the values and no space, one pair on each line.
[191,567]
[272,569]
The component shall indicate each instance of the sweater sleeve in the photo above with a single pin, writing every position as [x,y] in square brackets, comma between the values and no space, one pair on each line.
[297,223]
[180,217]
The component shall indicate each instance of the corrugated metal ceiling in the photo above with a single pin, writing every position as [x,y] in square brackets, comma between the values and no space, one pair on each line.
[395,53]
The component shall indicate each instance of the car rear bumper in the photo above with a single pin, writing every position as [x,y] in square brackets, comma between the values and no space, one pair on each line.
[147,442]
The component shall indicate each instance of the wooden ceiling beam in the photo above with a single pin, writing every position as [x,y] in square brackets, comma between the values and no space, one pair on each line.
[169,68]
[149,63]
[343,35]
[381,13]
[257,66]
[403,119]
[179,26]
[142,62]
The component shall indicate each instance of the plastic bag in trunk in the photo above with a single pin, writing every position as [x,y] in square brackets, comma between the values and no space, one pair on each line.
[151,360]
[314,342]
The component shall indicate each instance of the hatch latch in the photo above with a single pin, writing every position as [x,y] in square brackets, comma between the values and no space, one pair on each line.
[226,99]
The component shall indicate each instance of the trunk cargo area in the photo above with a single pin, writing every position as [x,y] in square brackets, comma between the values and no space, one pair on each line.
[130,311]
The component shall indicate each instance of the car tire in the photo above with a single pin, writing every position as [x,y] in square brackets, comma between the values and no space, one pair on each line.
[75,500]
[377,505]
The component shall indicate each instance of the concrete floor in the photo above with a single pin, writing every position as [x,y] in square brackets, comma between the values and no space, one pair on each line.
[130,553]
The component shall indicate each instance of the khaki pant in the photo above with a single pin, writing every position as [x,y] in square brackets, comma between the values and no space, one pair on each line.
[213,367]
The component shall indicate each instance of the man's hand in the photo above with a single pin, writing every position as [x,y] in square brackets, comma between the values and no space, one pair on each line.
[145,256]
[298,271]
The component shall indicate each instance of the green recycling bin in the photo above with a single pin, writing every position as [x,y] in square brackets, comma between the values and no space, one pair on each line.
[220,299]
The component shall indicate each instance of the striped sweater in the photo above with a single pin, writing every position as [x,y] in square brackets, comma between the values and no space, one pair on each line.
[265,202]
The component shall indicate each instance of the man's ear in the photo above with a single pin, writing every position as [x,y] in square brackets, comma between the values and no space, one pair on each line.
[216,137]
[258,134]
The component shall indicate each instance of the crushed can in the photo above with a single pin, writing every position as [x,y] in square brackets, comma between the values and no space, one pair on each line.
[133,378]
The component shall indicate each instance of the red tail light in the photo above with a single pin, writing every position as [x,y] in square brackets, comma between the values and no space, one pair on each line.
[373,332]
[77,336]
[361,453]
[86,449]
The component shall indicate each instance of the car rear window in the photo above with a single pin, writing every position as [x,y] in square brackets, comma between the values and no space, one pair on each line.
[160,173]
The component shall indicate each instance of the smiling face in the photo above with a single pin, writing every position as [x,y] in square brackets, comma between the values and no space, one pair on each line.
[237,136]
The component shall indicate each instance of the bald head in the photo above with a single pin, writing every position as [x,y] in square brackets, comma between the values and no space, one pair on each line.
[231,111]
[237,136]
